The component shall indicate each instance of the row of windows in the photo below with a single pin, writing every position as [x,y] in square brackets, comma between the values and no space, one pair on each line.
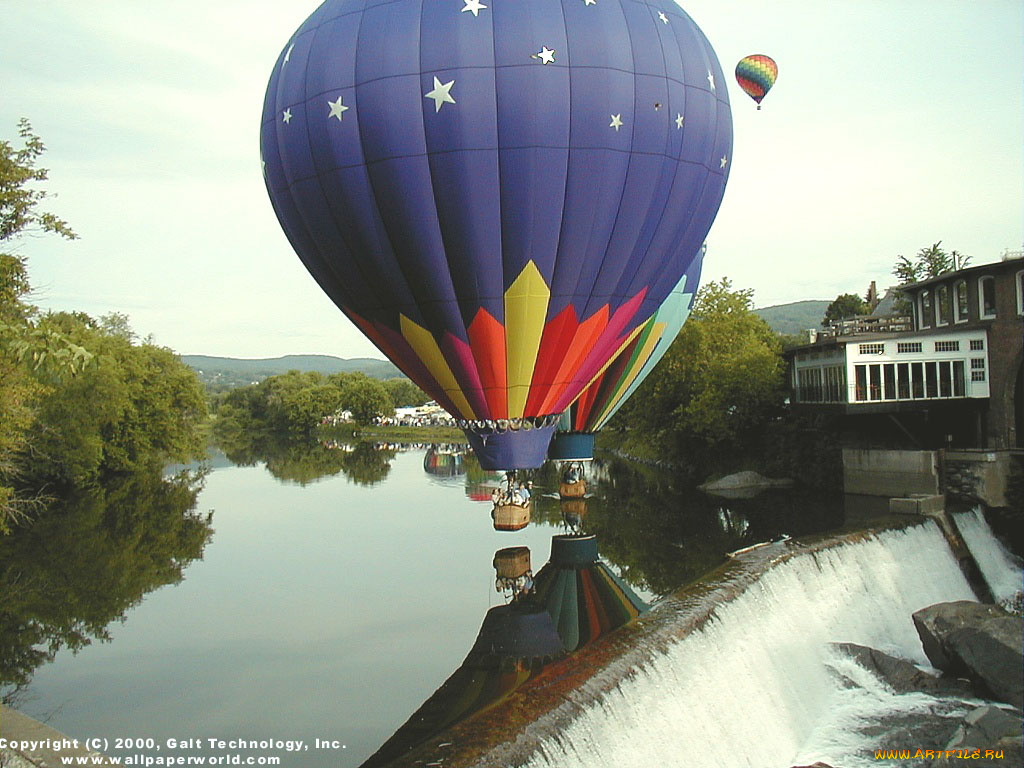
[906,347]
[822,385]
[934,313]
[911,381]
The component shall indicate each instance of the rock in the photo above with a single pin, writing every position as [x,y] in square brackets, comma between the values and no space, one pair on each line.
[901,675]
[982,642]
[743,485]
[989,735]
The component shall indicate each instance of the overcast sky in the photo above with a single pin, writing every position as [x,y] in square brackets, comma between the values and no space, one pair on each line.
[893,124]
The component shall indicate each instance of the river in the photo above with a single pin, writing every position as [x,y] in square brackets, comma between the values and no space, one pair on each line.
[324,601]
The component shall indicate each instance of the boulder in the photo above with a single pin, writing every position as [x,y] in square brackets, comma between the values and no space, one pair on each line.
[982,642]
[990,735]
[745,484]
[901,675]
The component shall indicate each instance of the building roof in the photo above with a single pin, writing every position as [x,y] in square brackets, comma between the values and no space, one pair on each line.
[1016,262]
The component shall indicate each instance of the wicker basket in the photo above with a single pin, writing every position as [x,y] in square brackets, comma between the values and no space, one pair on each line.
[511,517]
[512,562]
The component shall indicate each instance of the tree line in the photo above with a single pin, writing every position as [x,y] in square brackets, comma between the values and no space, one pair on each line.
[81,399]
[293,404]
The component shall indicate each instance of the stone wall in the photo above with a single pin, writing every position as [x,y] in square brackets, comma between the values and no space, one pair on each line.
[977,475]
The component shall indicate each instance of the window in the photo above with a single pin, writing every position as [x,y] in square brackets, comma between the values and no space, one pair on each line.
[977,344]
[871,349]
[903,381]
[917,372]
[947,346]
[977,369]
[875,375]
[987,296]
[942,305]
[945,379]
[1020,292]
[959,380]
[961,301]
[862,382]
[889,378]
[908,346]
[925,299]
[931,380]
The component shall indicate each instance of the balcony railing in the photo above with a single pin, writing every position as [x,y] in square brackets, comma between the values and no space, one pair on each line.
[868,324]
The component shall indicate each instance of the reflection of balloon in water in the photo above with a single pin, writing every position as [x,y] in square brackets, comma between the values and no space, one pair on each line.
[574,439]
[756,75]
[442,462]
[498,223]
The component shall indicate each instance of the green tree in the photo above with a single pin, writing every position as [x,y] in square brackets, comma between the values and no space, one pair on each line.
[843,307]
[134,405]
[366,398]
[29,357]
[930,262]
[405,394]
[719,382]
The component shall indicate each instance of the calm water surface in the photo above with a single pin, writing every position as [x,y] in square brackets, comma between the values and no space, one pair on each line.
[333,608]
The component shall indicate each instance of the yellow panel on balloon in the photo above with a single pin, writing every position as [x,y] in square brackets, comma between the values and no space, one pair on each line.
[425,346]
[526,306]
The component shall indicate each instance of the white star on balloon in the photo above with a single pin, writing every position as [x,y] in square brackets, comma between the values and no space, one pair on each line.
[441,93]
[474,7]
[663,17]
[545,54]
[616,122]
[286,115]
[336,109]
[711,80]
[679,120]
[590,2]
[724,161]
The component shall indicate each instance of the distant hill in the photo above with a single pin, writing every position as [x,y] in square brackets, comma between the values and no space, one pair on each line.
[795,317]
[219,373]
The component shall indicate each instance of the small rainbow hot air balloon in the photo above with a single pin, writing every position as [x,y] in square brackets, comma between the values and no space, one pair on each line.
[756,75]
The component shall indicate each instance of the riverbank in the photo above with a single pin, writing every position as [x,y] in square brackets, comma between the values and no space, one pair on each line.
[393,434]
[28,743]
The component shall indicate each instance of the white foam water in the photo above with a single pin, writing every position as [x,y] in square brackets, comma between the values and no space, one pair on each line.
[756,686]
[1000,568]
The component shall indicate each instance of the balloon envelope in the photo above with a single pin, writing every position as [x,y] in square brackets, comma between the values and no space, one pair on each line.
[756,75]
[602,399]
[498,223]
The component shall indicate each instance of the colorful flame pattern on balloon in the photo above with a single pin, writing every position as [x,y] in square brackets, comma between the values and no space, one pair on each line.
[602,399]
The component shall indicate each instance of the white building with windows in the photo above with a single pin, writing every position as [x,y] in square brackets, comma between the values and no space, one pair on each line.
[965,347]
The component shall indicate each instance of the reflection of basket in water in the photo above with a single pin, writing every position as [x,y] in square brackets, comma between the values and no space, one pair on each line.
[574,509]
[512,562]
[510,517]
[572,490]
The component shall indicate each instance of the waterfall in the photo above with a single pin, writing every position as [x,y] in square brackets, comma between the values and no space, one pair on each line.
[999,567]
[756,685]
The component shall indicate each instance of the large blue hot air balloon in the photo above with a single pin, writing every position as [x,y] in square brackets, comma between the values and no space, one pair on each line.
[498,194]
